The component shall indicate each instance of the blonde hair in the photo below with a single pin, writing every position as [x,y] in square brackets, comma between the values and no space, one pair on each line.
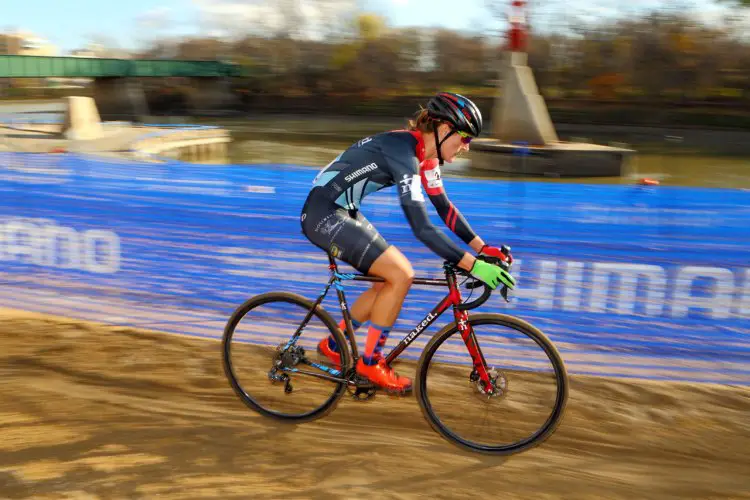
[422,122]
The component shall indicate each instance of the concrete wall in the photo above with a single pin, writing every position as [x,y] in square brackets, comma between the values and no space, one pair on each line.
[125,99]
[210,94]
[120,98]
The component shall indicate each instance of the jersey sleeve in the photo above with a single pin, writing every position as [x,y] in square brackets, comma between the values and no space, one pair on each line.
[432,181]
[405,171]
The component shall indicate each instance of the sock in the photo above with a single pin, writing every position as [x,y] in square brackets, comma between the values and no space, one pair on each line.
[342,326]
[376,337]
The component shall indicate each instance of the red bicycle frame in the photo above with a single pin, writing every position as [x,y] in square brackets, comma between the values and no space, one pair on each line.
[452,299]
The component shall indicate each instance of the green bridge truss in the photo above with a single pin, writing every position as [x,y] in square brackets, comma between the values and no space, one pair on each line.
[83,67]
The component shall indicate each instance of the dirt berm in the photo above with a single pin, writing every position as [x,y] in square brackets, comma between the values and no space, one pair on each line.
[91,411]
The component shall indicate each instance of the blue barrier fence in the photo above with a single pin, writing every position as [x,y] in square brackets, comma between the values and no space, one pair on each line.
[646,281]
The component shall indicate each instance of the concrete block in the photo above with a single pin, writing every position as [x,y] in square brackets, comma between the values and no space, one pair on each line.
[523,114]
[82,121]
[561,159]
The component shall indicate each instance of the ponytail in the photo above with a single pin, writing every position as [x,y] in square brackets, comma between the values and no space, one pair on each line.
[422,122]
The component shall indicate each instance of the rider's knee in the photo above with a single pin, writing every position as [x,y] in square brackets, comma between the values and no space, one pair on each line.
[405,275]
[409,277]
[395,268]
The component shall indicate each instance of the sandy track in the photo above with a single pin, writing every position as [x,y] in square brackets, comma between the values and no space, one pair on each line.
[90,411]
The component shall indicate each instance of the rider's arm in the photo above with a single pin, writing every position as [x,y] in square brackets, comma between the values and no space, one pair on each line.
[427,233]
[412,201]
[433,184]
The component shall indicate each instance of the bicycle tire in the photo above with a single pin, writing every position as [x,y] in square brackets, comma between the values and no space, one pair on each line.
[543,433]
[252,402]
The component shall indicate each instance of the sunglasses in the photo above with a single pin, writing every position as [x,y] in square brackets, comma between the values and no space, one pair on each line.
[465,138]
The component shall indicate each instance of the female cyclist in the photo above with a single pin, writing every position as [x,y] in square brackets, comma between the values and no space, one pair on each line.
[410,160]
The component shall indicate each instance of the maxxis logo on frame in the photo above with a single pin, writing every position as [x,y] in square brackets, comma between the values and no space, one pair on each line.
[43,242]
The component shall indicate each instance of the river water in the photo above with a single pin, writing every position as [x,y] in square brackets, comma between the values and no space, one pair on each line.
[680,157]
[695,158]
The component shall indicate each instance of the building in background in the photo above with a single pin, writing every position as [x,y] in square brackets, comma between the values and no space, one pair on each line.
[25,44]
[19,43]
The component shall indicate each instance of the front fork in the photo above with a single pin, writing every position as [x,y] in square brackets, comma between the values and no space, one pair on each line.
[468,335]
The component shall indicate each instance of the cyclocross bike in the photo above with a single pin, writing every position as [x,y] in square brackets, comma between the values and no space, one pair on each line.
[489,383]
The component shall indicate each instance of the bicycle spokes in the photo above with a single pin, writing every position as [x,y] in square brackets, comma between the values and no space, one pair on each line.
[275,362]
[502,397]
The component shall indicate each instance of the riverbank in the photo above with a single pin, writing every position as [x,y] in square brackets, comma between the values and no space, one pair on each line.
[40,128]
[120,139]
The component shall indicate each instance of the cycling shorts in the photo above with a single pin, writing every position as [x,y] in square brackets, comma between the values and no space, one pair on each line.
[346,235]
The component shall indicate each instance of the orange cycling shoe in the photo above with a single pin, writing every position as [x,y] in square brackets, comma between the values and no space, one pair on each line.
[333,356]
[324,349]
[384,376]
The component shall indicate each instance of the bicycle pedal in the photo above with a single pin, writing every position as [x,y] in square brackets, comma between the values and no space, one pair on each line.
[361,393]
[363,383]
[396,394]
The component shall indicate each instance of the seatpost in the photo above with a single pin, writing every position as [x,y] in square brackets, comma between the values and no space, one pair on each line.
[331,262]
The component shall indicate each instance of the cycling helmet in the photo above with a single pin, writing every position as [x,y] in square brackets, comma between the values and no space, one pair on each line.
[456,110]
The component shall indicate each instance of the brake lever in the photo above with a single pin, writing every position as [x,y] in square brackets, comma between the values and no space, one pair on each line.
[498,262]
[504,293]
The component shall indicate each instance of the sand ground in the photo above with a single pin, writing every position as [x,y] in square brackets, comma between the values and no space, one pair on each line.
[91,411]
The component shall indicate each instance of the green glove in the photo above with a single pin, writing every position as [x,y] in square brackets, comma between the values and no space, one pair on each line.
[492,275]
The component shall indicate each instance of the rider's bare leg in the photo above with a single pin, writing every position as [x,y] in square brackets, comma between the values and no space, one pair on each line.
[383,309]
[398,274]
[362,307]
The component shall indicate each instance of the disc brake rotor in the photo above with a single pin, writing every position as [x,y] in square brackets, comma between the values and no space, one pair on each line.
[498,386]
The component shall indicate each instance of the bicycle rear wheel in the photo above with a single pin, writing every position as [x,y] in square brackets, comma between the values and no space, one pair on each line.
[273,376]
[530,376]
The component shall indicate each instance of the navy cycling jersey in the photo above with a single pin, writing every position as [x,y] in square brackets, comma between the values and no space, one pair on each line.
[395,159]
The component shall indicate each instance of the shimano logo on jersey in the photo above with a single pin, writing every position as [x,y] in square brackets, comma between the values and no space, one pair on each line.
[361,171]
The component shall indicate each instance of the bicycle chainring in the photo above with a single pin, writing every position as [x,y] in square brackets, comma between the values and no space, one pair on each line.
[359,387]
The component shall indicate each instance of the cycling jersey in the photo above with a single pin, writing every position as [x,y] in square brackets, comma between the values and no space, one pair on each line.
[374,163]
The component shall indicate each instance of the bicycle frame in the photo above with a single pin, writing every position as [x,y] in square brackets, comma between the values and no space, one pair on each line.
[453,298]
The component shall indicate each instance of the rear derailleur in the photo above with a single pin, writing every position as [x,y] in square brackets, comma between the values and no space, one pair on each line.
[285,358]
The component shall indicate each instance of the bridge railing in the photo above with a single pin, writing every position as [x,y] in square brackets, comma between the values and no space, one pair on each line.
[84,67]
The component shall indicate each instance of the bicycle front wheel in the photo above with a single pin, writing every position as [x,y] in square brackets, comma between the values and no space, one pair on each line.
[528,373]
[272,374]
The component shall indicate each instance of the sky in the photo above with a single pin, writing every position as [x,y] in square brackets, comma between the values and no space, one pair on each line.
[130,24]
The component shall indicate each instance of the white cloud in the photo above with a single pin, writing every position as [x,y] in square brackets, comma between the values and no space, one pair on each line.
[553,15]
[300,18]
[155,18]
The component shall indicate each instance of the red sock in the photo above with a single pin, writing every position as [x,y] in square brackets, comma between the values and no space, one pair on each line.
[376,337]
[342,326]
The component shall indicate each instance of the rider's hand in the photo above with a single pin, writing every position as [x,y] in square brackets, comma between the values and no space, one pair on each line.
[502,253]
[492,275]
